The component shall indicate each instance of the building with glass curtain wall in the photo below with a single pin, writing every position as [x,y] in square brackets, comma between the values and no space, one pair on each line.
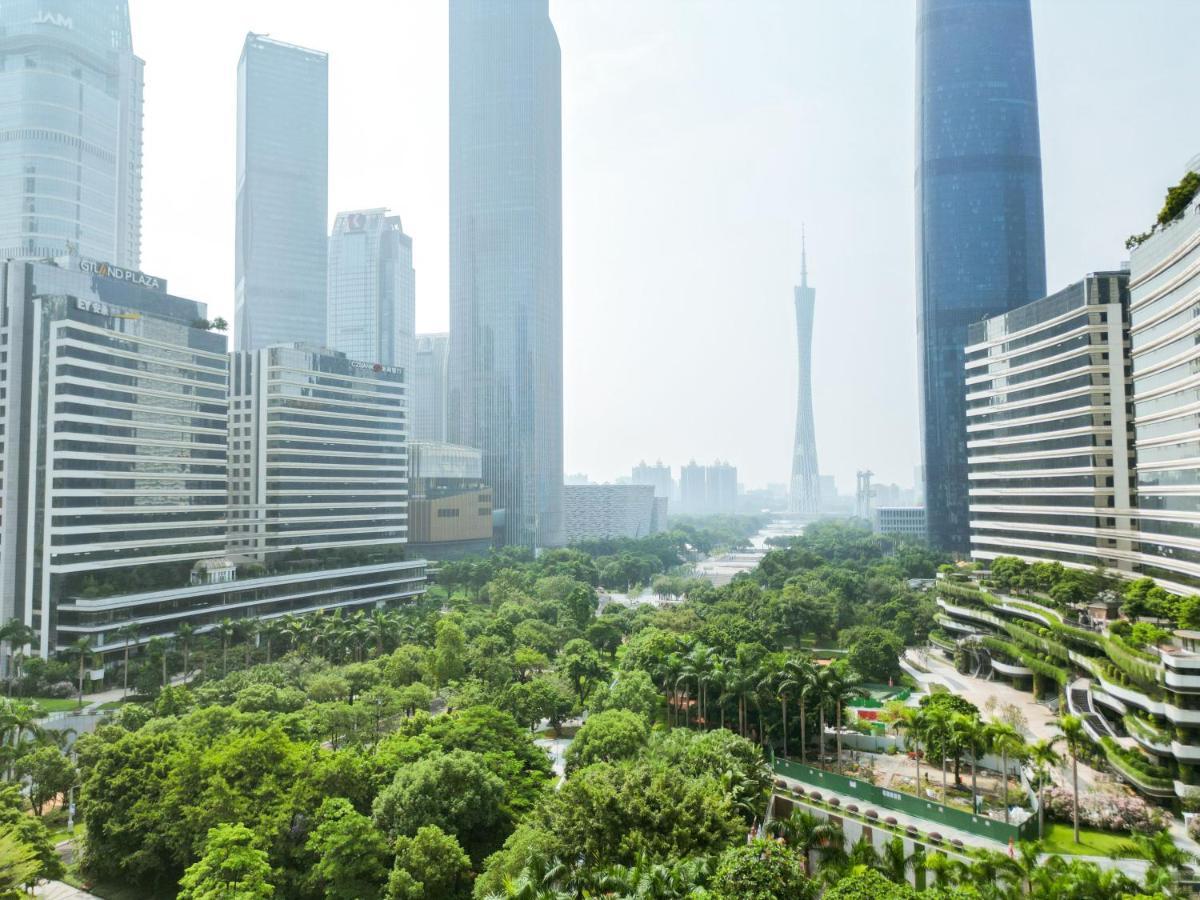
[282,194]
[71,120]
[429,387]
[1165,335]
[506,258]
[1049,439]
[371,299]
[980,235]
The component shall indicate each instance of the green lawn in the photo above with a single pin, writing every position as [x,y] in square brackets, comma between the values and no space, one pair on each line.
[51,704]
[1060,839]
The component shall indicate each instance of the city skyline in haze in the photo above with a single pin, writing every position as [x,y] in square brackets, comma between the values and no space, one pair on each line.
[695,140]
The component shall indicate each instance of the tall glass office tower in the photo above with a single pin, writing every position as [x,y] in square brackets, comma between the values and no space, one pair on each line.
[805,495]
[282,194]
[371,298]
[506,257]
[71,121]
[980,237]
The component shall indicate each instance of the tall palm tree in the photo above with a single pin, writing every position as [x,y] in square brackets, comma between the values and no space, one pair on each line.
[127,634]
[226,629]
[820,692]
[910,723]
[1043,757]
[972,736]
[1072,730]
[937,727]
[667,672]
[742,680]
[247,628]
[807,693]
[156,646]
[13,634]
[788,684]
[82,647]
[270,631]
[384,626]
[1007,741]
[696,665]
[184,633]
[843,684]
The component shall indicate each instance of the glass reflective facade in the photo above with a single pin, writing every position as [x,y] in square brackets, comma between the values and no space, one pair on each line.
[429,381]
[1165,336]
[70,131]
[506,257]
[371,299]
[282,194]
[1049,441]
[980,235]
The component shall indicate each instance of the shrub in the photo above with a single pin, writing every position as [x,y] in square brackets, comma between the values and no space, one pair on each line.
[1106,812]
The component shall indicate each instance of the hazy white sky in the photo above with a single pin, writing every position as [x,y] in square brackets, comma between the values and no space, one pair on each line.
[697,136]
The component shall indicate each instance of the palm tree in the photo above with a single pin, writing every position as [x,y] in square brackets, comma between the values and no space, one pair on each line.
[820,691]
[937,727]
[842,685]
[1072,729]
[806,834]
[246,630]
[809,691]
[184,632]
[696,665]
[1044,757]
[1027,862]
[667,673]
[1166,859]
[156,646]
[910,723]
[1005,740]
[792,678]
[82,647]
[226,629]
[384,624]
[13,634]
[971,735]
[894,863]
[127,634]
[270,630]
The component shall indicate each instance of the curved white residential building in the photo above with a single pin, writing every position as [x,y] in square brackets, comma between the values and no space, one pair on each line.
[1048,442]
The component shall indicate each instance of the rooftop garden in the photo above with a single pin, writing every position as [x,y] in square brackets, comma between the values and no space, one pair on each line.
[1178,198]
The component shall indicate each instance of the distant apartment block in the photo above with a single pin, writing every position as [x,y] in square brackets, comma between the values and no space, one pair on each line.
[612,510]
[657,475]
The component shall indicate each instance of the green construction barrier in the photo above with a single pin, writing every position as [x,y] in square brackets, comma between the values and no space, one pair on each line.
[982,826]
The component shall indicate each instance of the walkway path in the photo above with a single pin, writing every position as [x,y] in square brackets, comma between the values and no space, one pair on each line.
[56,890]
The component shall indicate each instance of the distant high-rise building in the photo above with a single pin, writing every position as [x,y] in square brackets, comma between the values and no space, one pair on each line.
[71,158]
[506,257]
[806,485]
[282,194]
[980,235]
[429,380]
[371,300]
[658,475]
[721,488]
[693,488]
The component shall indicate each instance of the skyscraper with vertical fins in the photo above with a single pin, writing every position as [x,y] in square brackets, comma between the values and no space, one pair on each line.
[980,236]
[806,482]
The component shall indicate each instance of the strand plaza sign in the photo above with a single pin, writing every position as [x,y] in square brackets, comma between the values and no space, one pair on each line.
[133,276]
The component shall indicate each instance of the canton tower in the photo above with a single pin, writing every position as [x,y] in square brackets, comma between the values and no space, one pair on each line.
[806,485]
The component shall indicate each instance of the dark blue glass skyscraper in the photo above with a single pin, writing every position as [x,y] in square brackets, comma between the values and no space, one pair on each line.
[980,238]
